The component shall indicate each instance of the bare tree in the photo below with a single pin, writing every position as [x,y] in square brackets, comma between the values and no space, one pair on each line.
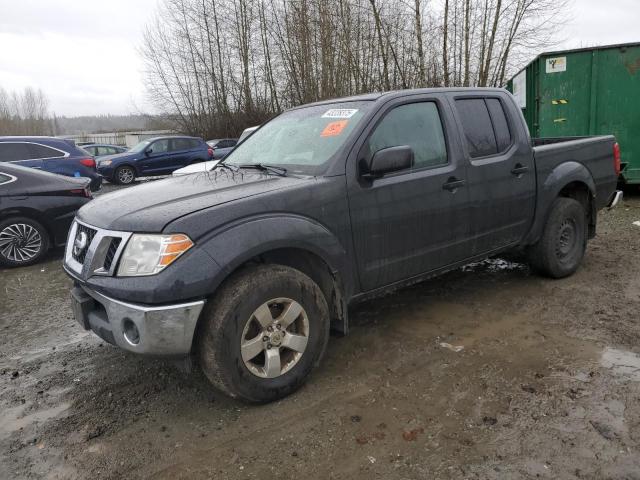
[215,67]
[25,113]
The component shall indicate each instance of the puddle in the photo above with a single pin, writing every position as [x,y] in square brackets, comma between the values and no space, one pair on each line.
[494,265]
[12,419]
[622,363]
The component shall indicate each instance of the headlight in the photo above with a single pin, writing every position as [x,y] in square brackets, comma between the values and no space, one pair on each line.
[150,254]
[105,163]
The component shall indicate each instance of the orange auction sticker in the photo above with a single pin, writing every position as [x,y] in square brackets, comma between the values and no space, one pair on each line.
[334,128]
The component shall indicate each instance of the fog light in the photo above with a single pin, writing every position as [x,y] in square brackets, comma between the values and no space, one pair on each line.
[131,333]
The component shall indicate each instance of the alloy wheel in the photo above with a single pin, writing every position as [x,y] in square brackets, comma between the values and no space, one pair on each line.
[275,338]
[125,175]
[20,242]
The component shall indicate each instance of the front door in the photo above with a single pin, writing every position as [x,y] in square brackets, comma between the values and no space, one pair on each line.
[157,161]
[413,221]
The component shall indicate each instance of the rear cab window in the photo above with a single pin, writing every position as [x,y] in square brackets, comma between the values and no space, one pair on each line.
[485,126]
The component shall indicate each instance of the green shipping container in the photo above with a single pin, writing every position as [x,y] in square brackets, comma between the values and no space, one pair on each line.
[589,91]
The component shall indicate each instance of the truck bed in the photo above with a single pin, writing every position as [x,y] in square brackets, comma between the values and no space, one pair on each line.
[595,154]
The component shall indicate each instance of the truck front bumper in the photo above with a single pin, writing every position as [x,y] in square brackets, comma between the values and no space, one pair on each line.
[153,330]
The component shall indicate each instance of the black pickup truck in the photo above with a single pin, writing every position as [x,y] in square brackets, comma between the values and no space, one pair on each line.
[248,267]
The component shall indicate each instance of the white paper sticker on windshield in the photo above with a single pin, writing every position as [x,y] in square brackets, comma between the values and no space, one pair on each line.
[339,113]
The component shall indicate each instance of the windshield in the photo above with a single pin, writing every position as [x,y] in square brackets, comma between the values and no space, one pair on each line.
[301,140]
[140,147]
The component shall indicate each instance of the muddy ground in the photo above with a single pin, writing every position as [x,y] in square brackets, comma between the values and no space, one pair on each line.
[547,385]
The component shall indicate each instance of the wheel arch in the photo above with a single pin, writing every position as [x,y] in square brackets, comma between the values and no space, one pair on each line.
[294,241]
[569,179]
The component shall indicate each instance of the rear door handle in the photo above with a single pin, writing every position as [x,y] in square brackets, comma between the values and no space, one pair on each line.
[453,184]
[519,169]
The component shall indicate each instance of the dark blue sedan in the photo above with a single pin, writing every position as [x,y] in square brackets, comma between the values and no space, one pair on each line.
[155,156]
[55,155]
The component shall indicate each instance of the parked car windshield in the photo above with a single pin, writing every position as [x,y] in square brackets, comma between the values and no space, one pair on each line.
[140,147]
[301,140]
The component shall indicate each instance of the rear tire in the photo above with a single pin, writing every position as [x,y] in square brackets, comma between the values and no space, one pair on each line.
[23,241]
[124,175]
[562,246]
[240,349]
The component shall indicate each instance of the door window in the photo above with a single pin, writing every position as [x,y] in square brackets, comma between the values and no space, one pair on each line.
[10,152]
[161,146]
[181,144]
[416,125]
[485,126]
[476,124]
[4,178]
[500,124]
[41,151]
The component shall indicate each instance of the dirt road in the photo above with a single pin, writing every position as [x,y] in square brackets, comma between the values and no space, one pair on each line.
[547,385]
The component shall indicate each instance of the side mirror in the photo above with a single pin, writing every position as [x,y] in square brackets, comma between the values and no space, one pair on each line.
[148,151]
[387,160]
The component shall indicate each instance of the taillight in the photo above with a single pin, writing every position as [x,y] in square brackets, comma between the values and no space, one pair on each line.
[210,151]
[88,162]
[616,158]
[83,192]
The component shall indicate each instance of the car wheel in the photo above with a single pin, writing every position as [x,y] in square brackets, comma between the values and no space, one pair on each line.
[562,246]
[263,333]
[23,241]
[124,175]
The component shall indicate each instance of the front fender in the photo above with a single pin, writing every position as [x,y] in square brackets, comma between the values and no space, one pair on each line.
[549,189]
[240,242]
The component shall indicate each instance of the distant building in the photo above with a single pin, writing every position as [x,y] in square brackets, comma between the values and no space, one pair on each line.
[125,139]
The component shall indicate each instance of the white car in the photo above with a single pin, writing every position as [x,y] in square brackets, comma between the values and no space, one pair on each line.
[209,165]
[196,168]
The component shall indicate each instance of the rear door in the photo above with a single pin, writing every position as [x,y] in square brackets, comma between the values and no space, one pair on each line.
[184,151]
[412,221]
[501,174]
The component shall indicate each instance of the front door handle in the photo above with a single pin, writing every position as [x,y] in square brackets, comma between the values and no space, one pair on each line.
[519,169]
[453,184]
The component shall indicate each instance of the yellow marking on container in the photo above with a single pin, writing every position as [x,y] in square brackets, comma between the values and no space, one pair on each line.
[559,102]
[559,120]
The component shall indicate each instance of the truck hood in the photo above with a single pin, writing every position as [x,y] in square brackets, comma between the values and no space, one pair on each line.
[151,206]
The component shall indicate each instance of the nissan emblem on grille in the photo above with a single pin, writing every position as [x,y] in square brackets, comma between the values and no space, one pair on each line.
[80,243]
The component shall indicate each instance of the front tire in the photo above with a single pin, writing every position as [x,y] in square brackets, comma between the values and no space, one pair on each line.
[263,333]
[562,246]
[23,241]
[124,175]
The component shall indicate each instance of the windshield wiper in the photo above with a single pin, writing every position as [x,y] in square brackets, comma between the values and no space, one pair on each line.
[221,164]
[266,168]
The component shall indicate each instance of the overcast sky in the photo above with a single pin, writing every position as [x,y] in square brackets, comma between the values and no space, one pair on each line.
[83,53]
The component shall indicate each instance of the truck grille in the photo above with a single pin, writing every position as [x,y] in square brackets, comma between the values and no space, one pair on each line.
[93,251]
[111,253]
[84,237]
